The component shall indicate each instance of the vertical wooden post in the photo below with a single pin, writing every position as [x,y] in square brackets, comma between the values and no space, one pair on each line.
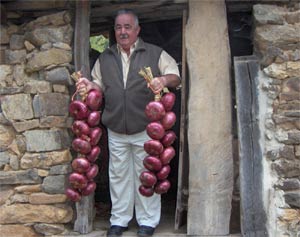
[84,208]
[182,187]
[253,216]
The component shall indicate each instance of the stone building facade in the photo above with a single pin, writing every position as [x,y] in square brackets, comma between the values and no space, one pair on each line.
[277,43]
[35,142]
[35,90]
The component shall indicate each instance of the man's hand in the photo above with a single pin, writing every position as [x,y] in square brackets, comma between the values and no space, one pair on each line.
[157,84]
[83,85]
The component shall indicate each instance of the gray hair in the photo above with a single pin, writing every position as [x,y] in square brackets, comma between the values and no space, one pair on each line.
[130,12]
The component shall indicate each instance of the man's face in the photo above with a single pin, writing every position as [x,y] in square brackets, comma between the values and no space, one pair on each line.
[126,31]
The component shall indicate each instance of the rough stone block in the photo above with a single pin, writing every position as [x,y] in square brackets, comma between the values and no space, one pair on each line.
[27,189]
[28,213]
[55,121]
[26,125]
[45,160]
[17,231]
[16,42]
[60,169]
[19,177]
[49,229]
[59,75]
[49,34]
[15,56]
[53,56]
[55,184]
[7,135]
[17,107]
[37,87]
[268,14]
[292,198]
[51,104]
[6,75]
[44,198]
[47,140]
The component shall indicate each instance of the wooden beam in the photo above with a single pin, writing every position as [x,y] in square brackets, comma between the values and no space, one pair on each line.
[85,208]
[253,216]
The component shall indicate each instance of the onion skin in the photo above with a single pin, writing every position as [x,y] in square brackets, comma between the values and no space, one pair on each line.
[168,138]
[167,155]
[94,118]
[162,186]
[73,195]
[80,127]
[146,191]
[78,110]
[77,180]
[81,146]
[152,163]
[95,135]
[155,130]
[93,155]
[155,111]
[168,120]
[81,165]
[89,189]
[94,99]
[168,100]
[163,173]
[92,172]
[153,147]
[148,178]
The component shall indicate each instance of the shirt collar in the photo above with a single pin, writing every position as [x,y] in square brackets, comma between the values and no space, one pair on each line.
[132,48]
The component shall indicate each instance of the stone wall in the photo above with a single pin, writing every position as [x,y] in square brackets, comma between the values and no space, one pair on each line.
[277,43]
[34,137]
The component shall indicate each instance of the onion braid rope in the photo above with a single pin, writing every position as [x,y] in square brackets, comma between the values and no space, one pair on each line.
[75,76]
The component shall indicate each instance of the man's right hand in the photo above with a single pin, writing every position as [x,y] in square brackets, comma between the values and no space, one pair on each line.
[83,86]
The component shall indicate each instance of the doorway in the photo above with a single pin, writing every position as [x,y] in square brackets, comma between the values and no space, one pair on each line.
[168,35]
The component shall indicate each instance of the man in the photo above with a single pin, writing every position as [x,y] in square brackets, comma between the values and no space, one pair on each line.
[126,94]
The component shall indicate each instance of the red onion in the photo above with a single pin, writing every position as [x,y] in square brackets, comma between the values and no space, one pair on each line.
[89,189]
[95,135]
[80,127]
[78,180]
[94,99]
[162,186]
[152,163]
[78,110]
[155,111]
[167,155]
[73,195]
[146,191]
[168,100]
[168,138]
[153,147]
[163,173]
[168,120]
[148,179]
[155,130]
[81,165]
[94,118]
[81,146]
[92,172]
[93,155]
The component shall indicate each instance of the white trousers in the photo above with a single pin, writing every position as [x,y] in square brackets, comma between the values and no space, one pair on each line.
[125,166]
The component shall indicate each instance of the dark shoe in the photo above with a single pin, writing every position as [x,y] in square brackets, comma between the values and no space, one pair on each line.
[145,231]
[116,231]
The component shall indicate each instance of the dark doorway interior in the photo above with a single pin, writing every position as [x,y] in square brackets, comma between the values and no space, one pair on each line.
[168,35]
